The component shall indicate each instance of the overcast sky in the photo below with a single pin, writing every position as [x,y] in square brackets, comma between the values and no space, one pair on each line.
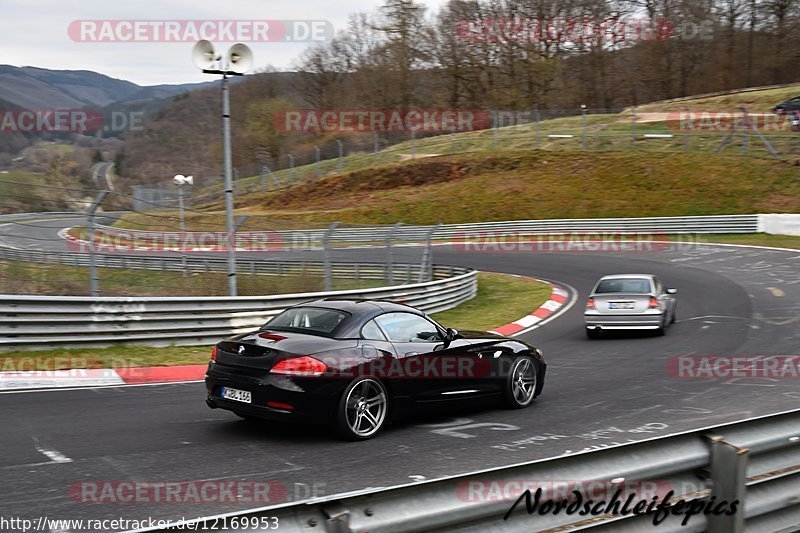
[37,33]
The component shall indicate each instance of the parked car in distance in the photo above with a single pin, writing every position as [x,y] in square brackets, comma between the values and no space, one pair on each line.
[787,107]
[630,302]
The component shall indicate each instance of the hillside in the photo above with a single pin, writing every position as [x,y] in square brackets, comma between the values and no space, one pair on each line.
[39,88]
[493,186]
[119,101]
[757,101]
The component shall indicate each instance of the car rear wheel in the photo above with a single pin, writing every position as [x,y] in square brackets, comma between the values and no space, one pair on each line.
[662,329]
[521,383]
[362,410]
[593,333]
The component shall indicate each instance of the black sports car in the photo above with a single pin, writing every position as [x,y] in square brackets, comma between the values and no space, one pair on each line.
[359,364]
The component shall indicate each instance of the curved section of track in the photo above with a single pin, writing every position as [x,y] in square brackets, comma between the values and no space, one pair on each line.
[732,301]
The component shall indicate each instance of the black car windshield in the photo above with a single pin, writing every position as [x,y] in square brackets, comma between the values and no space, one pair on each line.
[307,320]
[623,285]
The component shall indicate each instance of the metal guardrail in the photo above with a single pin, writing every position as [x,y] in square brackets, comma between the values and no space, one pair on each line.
[175,263]
[28,322]
[312,238]
[50,215]
[756,462]
[35,216]
[632,226]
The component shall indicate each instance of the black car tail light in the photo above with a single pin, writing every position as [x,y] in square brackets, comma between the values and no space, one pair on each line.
[304,366]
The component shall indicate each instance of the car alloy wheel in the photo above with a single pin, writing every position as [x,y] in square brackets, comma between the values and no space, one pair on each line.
[521,383]
[363,409]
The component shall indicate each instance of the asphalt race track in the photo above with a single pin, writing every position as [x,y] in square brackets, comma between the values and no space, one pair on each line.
[732,301]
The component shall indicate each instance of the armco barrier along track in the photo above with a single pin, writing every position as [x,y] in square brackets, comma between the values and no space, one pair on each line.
[754,462]
[654,225]
[28,322]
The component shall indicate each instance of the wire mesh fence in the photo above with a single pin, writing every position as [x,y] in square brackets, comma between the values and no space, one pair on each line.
[140,253]
[675,129]
[17,277]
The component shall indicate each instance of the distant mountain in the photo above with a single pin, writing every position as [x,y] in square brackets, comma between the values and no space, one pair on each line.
[39,88]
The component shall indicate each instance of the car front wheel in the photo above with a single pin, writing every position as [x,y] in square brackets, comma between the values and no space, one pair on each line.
[362,410]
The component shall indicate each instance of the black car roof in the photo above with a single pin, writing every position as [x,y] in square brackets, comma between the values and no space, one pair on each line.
[356,306]
[361,311]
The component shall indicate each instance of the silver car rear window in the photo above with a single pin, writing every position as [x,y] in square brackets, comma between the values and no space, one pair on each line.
[623,285]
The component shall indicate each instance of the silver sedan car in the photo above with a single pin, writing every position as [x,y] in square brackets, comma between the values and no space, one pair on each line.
[630,301]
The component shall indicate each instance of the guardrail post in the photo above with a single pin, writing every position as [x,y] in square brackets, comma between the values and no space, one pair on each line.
[583,128]
[494,130]
[728,477]
[94,288]
[426,266]
[746,131]
[751,129]
[340,165]
[317,160]
[687,135]
[326,251]
[290,157]
[390,253]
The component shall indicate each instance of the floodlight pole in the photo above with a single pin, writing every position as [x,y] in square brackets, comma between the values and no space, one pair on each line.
[236,64]
[226,147]
[228,164]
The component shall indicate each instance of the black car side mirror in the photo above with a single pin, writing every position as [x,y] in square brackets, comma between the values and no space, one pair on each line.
[450,335]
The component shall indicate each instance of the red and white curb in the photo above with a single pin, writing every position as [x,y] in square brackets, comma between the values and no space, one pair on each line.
[99,377]
[559,298]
